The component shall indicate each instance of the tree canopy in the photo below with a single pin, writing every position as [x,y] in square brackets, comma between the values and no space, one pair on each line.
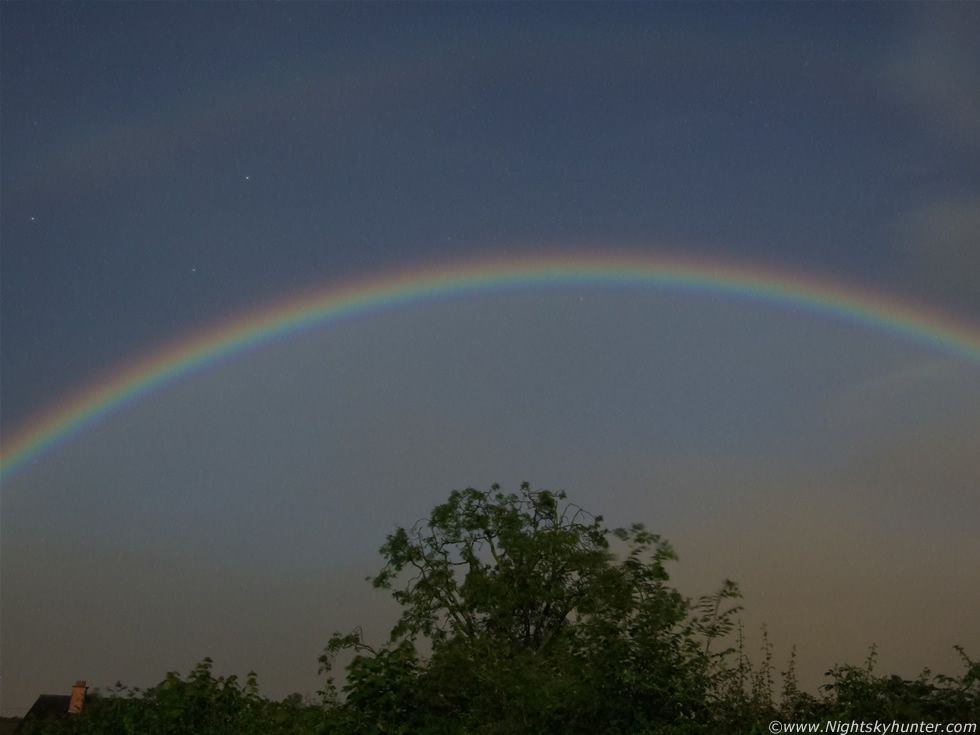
[522,613]
[535,624]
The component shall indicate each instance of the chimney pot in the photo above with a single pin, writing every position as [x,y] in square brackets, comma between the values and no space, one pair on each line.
[77,697]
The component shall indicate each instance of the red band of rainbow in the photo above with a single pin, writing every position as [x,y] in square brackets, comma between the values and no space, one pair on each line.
[362,296]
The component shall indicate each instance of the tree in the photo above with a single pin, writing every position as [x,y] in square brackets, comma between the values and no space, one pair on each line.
[534,625]
[531,622]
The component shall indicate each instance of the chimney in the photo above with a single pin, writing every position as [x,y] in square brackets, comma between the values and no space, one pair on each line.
[77,697]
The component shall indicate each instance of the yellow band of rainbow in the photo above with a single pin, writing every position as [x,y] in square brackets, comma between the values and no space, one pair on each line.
[362,296]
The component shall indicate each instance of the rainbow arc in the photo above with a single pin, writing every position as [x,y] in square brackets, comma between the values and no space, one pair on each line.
[360,297]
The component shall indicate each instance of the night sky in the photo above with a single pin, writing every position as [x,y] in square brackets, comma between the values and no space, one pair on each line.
[166,166]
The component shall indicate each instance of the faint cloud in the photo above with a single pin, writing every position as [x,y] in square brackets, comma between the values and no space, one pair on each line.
[932,74]
[939,248]
[934,69]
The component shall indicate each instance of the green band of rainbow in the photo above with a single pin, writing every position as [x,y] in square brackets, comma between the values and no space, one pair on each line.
[172,362]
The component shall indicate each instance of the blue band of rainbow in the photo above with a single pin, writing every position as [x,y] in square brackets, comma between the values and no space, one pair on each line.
[359,297]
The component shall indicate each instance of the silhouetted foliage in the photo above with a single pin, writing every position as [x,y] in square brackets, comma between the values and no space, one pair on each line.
[534,625]
[534,618]
[201,704]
